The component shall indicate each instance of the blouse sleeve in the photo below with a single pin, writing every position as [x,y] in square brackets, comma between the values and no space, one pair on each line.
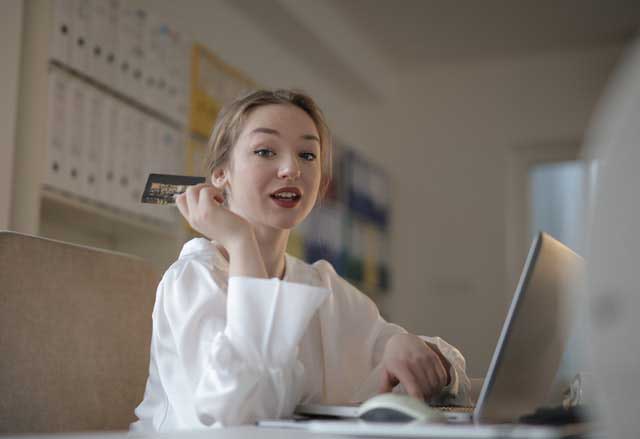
[240,368]
[373,332]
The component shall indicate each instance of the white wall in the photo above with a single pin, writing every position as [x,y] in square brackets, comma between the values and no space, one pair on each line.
[463,123]
[10,40]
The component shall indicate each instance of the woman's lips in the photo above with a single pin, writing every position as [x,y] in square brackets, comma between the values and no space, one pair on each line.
[288,204]
[287,197]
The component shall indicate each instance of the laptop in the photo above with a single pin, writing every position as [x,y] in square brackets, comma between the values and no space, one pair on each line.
[530,346]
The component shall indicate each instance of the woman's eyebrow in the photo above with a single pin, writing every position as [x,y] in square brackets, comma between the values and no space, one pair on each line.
[311,137]
[266,131]
[277,133]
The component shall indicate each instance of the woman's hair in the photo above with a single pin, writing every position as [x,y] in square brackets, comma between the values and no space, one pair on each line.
[232,117]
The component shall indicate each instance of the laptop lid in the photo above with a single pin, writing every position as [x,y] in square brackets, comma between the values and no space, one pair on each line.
[533,336]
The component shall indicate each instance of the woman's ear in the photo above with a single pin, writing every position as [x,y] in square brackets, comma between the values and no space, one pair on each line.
[219,178]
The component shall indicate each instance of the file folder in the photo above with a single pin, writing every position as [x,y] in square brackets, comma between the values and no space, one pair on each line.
[110,44]
[80,34]
[95,139]
[97,52]
[61,22]
[124,44]
[76,120]
[123,169]
[153,62]
[110,123]
[139,170]
[57,139]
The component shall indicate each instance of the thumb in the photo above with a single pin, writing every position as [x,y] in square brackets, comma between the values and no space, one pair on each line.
[388,382]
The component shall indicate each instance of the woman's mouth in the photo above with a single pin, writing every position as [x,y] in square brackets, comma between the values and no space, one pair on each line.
[287,197]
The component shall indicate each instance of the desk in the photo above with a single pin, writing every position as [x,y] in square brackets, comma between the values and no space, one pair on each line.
[242,432]
[253,432]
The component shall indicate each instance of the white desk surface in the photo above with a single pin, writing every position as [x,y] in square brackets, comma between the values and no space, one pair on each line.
[243,432]
[253,432]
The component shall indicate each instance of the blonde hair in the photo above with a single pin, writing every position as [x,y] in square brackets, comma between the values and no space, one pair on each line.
[232,117]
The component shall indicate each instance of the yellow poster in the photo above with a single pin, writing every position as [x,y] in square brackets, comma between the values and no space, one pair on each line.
[213,84]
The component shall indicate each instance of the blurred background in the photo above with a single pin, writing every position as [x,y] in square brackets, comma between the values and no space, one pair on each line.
[458,126]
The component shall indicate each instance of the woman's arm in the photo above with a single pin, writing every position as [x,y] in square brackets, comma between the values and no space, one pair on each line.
[201,205]
[245,258]
[442,378]
[235,357]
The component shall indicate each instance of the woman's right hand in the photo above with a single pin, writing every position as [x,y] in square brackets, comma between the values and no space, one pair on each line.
[201,205]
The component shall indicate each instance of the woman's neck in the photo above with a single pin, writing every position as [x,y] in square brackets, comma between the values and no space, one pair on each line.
[273,245]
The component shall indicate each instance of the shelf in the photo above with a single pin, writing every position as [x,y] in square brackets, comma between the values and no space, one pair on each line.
[102,216]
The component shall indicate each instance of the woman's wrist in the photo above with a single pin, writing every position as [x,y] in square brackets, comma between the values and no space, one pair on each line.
[244,256]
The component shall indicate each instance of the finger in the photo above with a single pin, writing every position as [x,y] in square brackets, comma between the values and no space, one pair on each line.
[436,376]
[211,193]
[181,202]
[388,383]
[192,196]
[423,379]
[410,383]
[218,195]
[432,378]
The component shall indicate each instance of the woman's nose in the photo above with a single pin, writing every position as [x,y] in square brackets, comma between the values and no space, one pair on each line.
[289,169]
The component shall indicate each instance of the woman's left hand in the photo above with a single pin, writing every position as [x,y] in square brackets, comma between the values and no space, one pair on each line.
[419,366]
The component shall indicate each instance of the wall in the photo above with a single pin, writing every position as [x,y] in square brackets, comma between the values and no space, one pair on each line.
[10,40]
[464,123]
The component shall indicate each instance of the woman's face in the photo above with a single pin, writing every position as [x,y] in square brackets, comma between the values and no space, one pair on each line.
[273,175]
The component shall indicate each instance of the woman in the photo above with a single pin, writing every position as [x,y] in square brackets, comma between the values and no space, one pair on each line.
[241,330]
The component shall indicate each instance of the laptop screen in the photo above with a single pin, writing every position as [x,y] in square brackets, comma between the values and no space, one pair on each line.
[534,334]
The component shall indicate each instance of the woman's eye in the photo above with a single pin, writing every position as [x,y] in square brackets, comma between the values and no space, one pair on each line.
[263,152]
[308,156]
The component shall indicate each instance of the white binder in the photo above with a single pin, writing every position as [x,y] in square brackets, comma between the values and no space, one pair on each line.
[179,148]
[132,28]
[124,43]
[179,77]
[60,41]
[167,159]
[152,64]
[182,79]
[110,43]
[80,36]
[164,46]
[138,54]
[151,163]
[173,79]
[76,120]
[138,162]
[110,127]
[94,147]
[57,139]
[98,32]
[123,165]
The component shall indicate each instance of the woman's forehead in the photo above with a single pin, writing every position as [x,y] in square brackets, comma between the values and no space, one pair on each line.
[283,118]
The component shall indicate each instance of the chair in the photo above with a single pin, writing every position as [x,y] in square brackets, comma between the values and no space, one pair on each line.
[75,327]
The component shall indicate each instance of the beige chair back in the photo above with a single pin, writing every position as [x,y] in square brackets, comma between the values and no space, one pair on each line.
[75,327]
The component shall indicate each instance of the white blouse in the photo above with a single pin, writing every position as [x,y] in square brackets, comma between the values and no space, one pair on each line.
[228,351]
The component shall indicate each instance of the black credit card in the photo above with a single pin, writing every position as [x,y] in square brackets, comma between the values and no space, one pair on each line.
[163,188]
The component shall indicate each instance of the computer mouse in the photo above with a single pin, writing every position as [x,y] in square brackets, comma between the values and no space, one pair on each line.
[393,407]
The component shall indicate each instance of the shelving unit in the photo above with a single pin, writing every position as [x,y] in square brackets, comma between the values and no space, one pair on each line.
[38,208]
